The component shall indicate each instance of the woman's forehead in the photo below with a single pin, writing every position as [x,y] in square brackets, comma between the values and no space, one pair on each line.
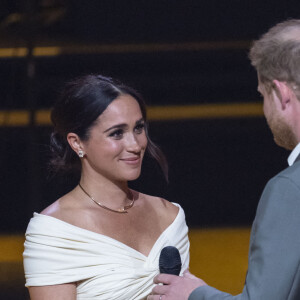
[124,107]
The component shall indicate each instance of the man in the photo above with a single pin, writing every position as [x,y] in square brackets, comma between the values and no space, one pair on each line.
[274,254]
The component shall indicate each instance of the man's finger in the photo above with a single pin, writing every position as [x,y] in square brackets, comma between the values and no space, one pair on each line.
[164,278]
[187,274]
[159,290]
[154,297]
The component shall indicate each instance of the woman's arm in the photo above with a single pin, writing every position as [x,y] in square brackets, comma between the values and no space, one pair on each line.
[50,292]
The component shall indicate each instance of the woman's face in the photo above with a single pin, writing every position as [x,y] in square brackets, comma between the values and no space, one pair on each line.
[117,143]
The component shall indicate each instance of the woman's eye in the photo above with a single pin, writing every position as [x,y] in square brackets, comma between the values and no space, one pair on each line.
[139,128]
[118,134]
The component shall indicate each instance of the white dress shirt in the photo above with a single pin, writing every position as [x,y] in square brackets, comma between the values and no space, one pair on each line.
[294,154]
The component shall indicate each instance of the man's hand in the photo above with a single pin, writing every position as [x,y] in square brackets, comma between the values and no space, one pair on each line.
[175,287]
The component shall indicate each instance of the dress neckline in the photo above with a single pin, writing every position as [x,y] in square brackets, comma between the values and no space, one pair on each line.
[180,211]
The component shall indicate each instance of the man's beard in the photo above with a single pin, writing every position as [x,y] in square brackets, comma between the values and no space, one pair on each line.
[282,132]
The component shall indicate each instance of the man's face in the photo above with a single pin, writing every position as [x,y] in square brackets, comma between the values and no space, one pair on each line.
[280,128]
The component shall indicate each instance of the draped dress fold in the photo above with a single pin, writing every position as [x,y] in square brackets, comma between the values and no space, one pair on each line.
[103,268]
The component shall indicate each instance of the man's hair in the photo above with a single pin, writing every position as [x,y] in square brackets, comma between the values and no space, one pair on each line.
[276,55]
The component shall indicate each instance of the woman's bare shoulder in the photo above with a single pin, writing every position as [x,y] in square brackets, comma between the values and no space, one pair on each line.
[162,206]
[52,210]
[63,208]
[70,209]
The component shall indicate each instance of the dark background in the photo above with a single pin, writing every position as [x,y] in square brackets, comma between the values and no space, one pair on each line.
[218,167]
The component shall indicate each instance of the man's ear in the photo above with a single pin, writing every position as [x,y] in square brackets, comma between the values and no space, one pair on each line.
[74,142]
[283,92]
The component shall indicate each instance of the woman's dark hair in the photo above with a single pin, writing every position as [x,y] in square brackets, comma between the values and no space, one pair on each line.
[81,102]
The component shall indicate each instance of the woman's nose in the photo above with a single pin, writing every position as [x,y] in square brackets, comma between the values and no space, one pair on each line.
[133,144]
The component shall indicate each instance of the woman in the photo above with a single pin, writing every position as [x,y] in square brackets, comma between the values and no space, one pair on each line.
[101,240]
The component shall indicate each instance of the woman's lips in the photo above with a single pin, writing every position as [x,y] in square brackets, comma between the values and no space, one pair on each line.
[131,160]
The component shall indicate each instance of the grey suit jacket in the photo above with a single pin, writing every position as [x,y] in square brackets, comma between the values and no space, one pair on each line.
[274,254]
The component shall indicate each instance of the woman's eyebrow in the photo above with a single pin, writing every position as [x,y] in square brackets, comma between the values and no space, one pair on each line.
[140,121]
[116,126]
[123,125]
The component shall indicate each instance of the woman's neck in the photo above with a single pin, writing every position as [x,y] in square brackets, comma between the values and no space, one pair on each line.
[110,193]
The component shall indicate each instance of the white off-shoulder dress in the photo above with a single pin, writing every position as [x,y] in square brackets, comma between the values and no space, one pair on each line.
[103,268]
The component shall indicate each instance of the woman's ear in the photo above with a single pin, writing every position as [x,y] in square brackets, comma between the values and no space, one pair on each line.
[75,143]
[283,92]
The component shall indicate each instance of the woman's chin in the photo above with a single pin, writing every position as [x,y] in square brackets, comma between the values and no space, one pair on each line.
[133,175]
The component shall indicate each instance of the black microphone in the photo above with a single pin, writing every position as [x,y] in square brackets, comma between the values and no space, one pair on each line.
[170,261]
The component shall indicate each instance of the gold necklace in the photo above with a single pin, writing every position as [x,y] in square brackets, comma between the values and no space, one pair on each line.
[120,210]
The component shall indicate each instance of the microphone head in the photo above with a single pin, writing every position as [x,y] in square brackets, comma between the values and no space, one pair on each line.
[170,261]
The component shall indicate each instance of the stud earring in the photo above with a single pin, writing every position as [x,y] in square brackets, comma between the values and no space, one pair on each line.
[80,153]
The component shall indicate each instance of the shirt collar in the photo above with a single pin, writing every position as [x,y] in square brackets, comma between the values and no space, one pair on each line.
[292,157]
